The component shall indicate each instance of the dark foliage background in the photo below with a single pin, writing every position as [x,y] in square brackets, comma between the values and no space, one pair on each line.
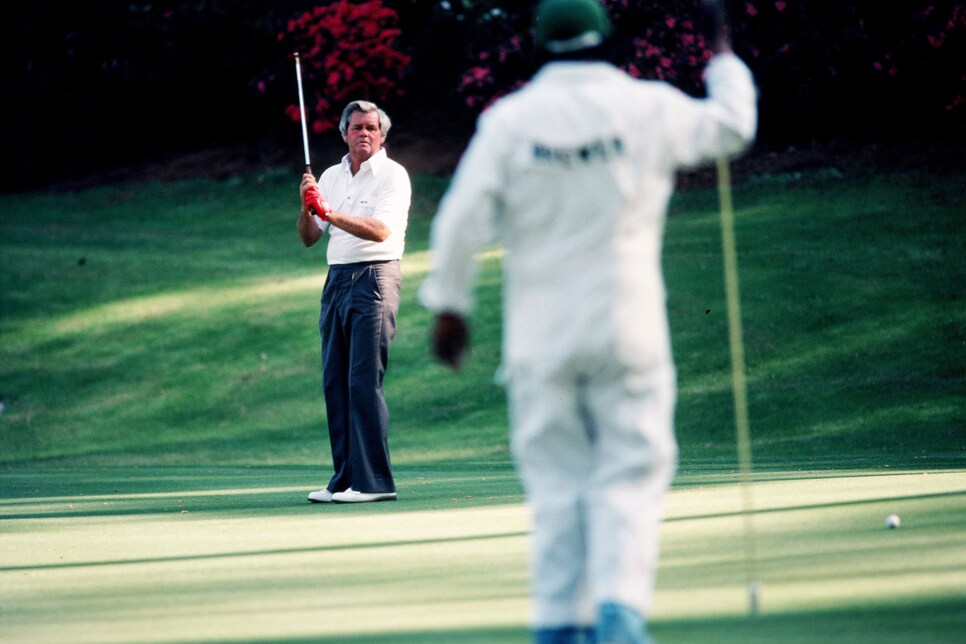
[91,87]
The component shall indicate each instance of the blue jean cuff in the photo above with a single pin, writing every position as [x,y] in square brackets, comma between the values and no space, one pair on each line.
[619,624]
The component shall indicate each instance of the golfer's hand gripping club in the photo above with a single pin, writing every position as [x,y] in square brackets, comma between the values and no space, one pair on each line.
[450,339]
[313,200]
[317,204]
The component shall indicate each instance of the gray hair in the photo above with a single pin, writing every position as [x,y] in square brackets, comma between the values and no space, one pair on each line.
[365,107]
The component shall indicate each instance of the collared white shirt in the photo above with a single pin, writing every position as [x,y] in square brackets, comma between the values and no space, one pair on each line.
[380,189]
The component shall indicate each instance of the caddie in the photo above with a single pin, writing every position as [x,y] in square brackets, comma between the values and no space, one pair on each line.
[573,174]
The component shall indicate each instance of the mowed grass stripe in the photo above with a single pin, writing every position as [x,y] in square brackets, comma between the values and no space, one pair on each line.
[324,572]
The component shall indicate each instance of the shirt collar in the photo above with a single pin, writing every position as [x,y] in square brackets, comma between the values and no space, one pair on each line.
[574,70]
[374,162]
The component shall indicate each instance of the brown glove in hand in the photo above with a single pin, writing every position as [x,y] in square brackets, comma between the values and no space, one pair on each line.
[450,339]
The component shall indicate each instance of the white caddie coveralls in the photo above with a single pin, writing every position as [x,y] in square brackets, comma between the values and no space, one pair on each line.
[573,173]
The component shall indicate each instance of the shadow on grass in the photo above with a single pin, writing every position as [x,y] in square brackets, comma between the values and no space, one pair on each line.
[49,493]
[262,553]
[819,506]
[930,622]
[938,621]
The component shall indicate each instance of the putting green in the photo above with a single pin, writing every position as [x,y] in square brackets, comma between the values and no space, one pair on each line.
[200,554]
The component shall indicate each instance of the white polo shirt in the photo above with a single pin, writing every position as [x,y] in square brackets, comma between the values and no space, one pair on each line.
[380,189]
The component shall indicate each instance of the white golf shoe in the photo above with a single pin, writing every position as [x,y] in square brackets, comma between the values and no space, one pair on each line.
[322,496]
[351,496]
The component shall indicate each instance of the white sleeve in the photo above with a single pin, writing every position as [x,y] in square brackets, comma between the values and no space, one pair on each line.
[395,198]
[723,124]
[464,223]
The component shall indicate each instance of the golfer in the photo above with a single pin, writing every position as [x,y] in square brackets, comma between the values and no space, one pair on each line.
[363,203]
[573,173]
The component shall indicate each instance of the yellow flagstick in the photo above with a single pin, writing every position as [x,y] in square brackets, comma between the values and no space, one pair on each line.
[736,344]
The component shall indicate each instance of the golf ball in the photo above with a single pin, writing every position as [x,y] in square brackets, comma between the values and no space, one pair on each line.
[892,521]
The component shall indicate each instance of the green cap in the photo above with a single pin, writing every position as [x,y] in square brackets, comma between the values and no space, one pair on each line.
[569,25]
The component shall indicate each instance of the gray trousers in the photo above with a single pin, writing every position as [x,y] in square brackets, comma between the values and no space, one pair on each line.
[358,324]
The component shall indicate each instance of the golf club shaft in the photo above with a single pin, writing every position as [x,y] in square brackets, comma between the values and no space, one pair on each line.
[305,133]
[736,344]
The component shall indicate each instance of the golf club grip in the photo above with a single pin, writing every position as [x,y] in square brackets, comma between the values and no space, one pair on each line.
[308,170]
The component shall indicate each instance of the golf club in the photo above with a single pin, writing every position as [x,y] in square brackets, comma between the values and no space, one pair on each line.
[736,344]
[305,134]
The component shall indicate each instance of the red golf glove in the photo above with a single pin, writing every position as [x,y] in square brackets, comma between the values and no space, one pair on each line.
[314,201]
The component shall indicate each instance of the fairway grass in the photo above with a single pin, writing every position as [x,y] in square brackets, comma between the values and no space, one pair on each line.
[237,554]
[139,328]
[163,423]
